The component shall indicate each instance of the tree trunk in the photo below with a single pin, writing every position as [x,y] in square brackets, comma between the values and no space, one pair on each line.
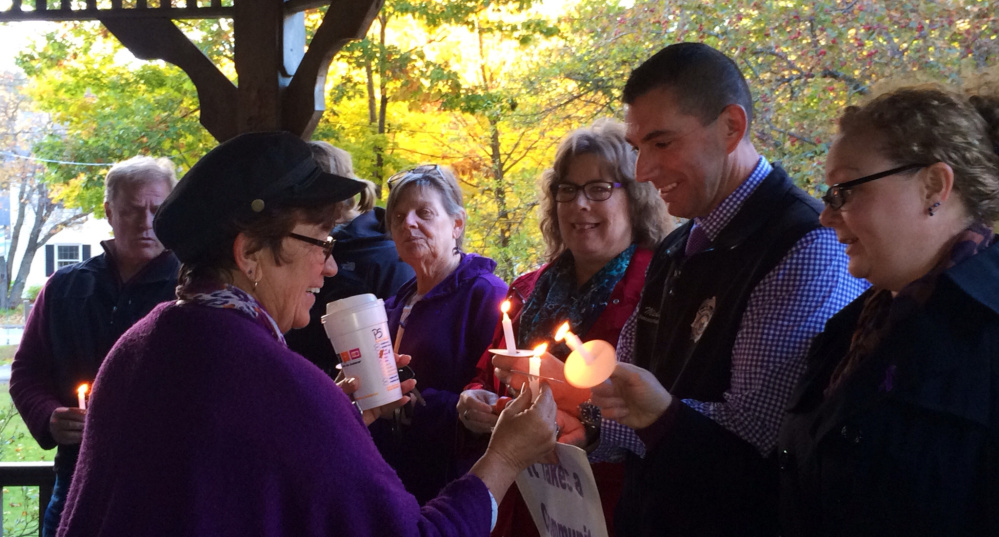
[23,199]
[4,280]
[382,100]
[499,189]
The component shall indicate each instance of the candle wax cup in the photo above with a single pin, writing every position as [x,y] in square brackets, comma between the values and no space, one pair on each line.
[602,362]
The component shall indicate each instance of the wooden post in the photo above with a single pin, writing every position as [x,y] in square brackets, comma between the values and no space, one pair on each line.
[257,27]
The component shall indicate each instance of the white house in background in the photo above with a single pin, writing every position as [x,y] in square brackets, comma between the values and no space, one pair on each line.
[76,243]
[71,245]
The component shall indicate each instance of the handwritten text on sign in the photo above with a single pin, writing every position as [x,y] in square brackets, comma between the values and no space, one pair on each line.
[563,497]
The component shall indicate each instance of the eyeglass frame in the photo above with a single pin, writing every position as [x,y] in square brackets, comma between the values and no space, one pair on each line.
[835,196]
[327,245]
[390,182]
[582,188]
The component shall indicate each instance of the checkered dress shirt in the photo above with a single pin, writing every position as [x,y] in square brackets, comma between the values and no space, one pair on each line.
[786,310]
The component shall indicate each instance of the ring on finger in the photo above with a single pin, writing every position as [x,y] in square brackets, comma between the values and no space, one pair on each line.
[464,415]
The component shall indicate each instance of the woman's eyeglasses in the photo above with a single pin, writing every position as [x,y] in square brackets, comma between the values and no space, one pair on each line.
[424,169]
[326,245]
[835,197]
[594,191]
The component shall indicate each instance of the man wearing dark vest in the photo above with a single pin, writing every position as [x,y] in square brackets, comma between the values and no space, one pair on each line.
[82,311]
[730,304]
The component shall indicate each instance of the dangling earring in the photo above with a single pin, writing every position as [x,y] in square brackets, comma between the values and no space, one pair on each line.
[249,274]
[934,206]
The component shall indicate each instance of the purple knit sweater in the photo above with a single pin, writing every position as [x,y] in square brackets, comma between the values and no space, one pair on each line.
[201,423]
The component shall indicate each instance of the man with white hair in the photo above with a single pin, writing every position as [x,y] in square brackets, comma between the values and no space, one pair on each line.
[82,311]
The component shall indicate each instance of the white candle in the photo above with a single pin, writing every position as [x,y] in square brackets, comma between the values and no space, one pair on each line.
[573,341]
[511,343]
[81,396]
[535,369]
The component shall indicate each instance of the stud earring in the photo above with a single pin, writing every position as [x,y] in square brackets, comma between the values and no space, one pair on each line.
[934,206]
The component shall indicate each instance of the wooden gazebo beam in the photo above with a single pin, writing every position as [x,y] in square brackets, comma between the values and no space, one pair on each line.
[156,38]
[305,97]
[281,84]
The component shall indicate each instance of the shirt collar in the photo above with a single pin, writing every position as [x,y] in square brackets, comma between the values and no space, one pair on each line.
[717,219]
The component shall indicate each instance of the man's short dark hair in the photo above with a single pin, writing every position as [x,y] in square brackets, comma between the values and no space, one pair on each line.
[702,80]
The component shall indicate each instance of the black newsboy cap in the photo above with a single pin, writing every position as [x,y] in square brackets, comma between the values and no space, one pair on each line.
[240,177]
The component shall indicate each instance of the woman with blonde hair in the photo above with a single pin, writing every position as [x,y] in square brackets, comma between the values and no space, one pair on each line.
[894,428]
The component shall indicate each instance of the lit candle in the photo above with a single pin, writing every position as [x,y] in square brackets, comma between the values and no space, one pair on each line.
[511,343]
[573,341]
[81,396]
[535,369]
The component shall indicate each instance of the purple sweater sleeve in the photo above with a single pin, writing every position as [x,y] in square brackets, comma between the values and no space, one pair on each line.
[31,384]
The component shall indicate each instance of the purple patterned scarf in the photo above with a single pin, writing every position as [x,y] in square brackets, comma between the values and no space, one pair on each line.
[232,297]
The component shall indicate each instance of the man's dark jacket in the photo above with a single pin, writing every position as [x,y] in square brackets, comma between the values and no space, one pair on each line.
[80,314]
[701,479]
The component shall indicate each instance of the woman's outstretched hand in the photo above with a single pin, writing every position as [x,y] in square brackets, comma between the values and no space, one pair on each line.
[524,434]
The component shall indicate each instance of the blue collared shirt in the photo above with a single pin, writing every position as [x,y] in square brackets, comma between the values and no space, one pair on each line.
[785,311]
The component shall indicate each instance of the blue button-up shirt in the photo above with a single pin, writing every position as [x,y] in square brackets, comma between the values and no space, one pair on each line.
[786,310]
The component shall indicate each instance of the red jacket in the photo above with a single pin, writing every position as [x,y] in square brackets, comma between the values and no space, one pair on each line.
[622,303]
[513,518]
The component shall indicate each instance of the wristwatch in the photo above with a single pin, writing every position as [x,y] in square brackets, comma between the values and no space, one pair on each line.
[589,416]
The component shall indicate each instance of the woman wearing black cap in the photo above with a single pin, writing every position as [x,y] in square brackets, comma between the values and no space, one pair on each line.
[202,422]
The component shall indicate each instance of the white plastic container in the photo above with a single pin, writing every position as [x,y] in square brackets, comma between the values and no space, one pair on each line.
[358,329]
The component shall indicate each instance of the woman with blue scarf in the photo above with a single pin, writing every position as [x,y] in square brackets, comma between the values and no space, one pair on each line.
[599,225]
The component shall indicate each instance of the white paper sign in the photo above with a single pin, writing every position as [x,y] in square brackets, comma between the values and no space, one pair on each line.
[563,497]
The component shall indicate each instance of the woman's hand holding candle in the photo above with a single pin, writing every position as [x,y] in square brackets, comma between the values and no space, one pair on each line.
[571,430]
[524,434]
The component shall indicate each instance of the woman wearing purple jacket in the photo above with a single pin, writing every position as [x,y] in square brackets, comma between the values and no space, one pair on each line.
[443,318]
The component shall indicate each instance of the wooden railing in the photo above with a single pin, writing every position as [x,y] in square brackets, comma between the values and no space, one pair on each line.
[28,474]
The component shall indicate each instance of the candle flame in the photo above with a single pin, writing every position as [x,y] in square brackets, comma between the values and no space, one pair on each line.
[562,331]
[82,390]
[540,349]
[505,306]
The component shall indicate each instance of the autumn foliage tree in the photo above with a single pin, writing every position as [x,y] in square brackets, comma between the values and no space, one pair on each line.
[38,216]
[489,87]
[804,60]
